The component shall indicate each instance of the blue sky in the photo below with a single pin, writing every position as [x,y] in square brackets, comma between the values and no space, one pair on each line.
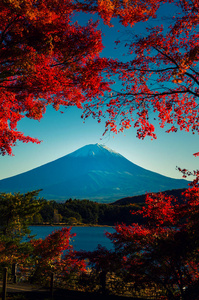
[64,133]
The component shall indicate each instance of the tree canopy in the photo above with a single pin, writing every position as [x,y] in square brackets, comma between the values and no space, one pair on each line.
[48,59]
[45,59]
[161,78]
[16,212]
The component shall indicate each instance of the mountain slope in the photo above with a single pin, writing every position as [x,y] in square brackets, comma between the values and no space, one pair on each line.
[94,172]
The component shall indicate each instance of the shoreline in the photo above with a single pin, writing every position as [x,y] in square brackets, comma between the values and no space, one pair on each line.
[67,225]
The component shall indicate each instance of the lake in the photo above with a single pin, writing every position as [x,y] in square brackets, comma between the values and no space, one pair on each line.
[87,238]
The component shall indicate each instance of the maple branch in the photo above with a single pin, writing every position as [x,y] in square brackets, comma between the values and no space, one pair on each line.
[164,54]
[197,73]
[152,95]
[177,67]
[193,93]
[153,70]
[191,76]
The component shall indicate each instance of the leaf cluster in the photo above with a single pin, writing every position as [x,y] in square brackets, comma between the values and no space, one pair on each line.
[164,250]
[45,59]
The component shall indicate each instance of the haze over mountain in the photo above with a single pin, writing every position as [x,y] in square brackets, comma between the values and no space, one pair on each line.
[92,172]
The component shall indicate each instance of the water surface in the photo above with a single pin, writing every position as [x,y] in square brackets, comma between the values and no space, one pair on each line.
[87,238]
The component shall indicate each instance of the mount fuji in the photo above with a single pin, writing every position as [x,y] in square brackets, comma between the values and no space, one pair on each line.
[92,172]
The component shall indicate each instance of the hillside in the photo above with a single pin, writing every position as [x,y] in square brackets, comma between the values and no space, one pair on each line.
[141,198]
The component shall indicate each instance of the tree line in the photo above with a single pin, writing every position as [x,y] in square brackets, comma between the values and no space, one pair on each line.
[72,211]
[77,212]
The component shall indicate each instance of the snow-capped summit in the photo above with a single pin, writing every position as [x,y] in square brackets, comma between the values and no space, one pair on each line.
[93,150]
[92,172]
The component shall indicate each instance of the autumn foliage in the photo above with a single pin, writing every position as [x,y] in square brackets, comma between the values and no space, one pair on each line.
[160,79]
[163,252]
[55,254]
[46,58]
[37,259]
